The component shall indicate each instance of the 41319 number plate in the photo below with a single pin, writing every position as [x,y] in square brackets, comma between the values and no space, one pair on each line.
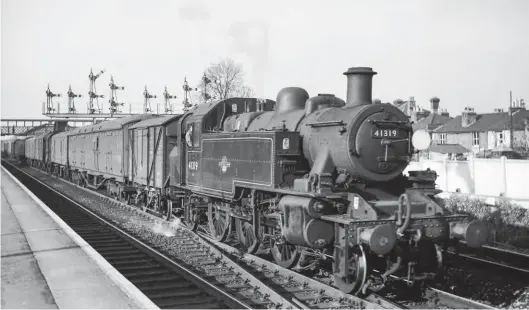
[386,133]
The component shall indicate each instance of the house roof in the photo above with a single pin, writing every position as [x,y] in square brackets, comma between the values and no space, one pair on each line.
[487,122]
[431,122]
[448,149]
[483,123]
[405,108]
[518,121]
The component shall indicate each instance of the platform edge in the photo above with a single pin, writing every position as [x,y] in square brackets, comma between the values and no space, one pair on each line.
[125,285]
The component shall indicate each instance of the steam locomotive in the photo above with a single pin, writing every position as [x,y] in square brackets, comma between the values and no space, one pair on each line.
[300,176]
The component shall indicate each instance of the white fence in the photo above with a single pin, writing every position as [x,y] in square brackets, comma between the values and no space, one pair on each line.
[480,176]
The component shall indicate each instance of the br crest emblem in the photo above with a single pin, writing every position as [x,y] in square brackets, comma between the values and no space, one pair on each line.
[224,164]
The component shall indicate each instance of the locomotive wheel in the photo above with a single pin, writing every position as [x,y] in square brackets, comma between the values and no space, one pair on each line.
[358,266]
[285,255]
[219,222]
[246,236]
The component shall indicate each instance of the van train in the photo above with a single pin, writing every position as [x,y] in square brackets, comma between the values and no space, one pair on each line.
[302,177]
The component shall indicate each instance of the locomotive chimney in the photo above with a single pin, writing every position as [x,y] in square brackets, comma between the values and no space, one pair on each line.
[359,85]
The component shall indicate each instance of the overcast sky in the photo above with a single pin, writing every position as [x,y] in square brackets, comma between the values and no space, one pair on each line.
[466,52]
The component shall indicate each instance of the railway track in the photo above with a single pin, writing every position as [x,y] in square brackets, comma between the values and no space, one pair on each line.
[431,298]
[312,292]
[289,289]
[440,299]
[167,283]
[515,262]
[223,282]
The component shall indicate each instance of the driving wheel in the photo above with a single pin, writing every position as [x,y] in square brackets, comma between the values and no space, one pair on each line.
[357,265]
[219,222]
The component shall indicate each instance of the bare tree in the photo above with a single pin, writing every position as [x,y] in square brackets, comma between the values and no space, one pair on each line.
[245,92]
[222,80]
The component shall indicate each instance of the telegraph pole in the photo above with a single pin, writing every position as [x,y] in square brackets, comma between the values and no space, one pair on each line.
[114,104]
[511,125]
[71,103]
[147,101]
[92,92]
[49,100]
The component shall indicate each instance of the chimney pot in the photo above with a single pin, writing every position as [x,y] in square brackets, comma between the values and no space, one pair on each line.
[435,105]
[359,85]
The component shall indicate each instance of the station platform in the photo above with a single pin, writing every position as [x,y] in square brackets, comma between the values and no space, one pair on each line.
[45,264]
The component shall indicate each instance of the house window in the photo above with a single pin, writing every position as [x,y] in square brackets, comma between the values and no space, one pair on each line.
[498,138]
[442,138]
[475,138]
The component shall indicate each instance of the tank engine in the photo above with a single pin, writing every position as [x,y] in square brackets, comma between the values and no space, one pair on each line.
[321,175]
[307,178]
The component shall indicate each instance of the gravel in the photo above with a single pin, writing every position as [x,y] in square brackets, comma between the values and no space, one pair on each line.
[485,286]
[464,280]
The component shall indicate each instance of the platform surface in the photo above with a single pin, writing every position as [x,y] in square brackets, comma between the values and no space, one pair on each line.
[43,267]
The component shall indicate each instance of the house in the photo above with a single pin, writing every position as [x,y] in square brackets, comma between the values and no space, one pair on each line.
[433,120]
[479,132]
[410,108]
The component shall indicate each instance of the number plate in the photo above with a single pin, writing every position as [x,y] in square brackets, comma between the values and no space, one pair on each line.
[386,134]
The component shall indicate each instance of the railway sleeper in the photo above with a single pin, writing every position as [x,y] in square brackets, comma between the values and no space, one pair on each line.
[121,257]
[105,242]
[117,249]
[238,286]
[186,292]
[149,281]
[184,303]
[119,263]
[147,266]
[99,237]
[203,306]
[206,262]
[164,285]
[219,274]
[156,272]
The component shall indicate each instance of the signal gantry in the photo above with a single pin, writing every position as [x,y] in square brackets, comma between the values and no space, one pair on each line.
[114,104]
[93,92]
[71,96]
[167,104]
[147,101]
[49,100]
